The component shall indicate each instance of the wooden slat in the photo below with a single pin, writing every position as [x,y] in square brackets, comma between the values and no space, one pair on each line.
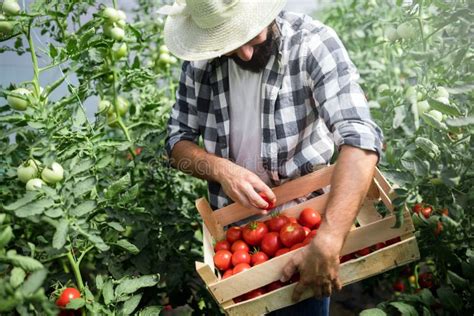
[205,272]
[286,192]
[257,276]
[207,247]
[378,262]
[207,214]
[368,213]
[350,272]
[384,197]
[373,192]
[379,231]
[383,183]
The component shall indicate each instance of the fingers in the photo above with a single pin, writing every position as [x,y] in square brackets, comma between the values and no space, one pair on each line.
[260,186]
[255,199]
[288,271]
[299,290]
[336,283]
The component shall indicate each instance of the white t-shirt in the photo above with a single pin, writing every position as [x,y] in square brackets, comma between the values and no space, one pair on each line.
[245,119]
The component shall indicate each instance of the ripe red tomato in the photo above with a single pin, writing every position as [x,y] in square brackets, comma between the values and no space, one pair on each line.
[417,208]
[438,229]
[254,232]
[295,278]
[240,256]
[445,212]
[240,267]
[310,236]
[363,252]
[274,285]
[239,245]
[347,257]
[379,246]
[222,259]
[227,274]
[292,220]
[259,257]
[291,234]
[234,233]
[426,280]
[306,230]
[426,211]
[399,286]
[277,222]
[270,203]
[393,241]
[296,246]
[310,218]
[67,295]
[221,245]
[270,243]
[281,251]
[255,293]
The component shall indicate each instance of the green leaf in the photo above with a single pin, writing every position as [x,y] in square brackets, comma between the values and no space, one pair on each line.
[5,236]
[59,238]
[373,312]
[97,241]
[125,244]
[457,281]
[448,109]
[104,162]
[118,186]
[83,208]
[84,186]
[99,281]
[131,304]
[450,177]
[117,226]
[449,299]
[17,276]
[108,292]
[34,208]
[150,311]
[130,285]
[26,263]
[404,309]
[54,212]
[433,122]
[27,198]
[76,303]
[83,166]
[460,121]
[34,282]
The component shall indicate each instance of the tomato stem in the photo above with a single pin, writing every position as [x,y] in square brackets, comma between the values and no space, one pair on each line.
[34,60]
[76,270]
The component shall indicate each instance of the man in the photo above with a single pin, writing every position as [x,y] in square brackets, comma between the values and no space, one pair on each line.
[272,94]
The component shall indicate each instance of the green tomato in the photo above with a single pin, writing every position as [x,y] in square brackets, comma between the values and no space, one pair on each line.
[28,170]
[422,106]
[34,184]
[443,100]
[437,115]
[441,92]
[121,51]
[112,120]
[391,34]
[164,49]
[111,14]
[117,33]
[5,26]
[406,30]
[11,7]
[18,99]
[411,94]
[104,106]
[122,16]
[122,105]
[121,23]
[53,175]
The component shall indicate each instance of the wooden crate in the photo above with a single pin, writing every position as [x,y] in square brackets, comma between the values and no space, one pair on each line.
[373,228]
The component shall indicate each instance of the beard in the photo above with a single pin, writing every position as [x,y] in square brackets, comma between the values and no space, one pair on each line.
[261,55]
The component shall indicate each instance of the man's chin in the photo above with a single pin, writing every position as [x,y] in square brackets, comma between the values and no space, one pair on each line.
[251,65]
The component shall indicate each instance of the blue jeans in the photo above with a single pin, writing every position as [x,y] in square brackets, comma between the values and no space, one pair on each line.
[307,307]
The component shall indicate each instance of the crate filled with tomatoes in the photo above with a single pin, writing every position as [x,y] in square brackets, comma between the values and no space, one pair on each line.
[243,264]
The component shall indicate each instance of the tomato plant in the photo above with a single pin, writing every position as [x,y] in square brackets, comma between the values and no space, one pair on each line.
[67,295]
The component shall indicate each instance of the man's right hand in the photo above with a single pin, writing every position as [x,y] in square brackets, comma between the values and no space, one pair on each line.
[240,184]
[243,186]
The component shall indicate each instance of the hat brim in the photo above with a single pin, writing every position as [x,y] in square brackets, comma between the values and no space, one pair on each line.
[188,41]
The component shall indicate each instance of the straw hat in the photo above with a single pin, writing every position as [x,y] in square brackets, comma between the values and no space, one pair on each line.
[205,29]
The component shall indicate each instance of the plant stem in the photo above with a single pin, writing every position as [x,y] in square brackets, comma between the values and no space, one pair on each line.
[76,270]
[34,60]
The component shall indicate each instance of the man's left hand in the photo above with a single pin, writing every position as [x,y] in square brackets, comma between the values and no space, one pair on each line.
[318,266]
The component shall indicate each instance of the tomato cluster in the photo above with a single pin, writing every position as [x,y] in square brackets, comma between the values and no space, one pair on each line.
[365,251]
[258,242]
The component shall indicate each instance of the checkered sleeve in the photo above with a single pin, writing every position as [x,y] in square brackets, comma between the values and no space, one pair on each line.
[183,122]
[340,100]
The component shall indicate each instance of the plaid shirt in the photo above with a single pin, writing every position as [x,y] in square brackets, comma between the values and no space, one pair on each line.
[311,104]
